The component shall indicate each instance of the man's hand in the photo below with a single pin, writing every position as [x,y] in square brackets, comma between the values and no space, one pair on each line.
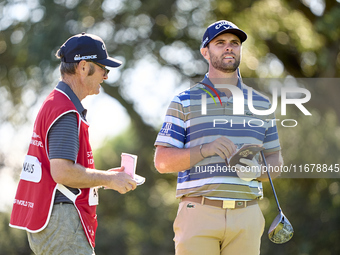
[120,181]
[171,160]
[222,147]
[251,171]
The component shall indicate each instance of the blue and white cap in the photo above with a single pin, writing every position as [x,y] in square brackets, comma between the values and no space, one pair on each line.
[86,47]
[219,27]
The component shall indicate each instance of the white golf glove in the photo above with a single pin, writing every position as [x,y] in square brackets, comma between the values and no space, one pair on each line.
[251,171]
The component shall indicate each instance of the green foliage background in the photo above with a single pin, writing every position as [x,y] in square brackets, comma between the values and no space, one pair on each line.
[303,39]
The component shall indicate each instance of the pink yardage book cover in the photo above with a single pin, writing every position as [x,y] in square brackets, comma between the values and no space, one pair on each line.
[129,161]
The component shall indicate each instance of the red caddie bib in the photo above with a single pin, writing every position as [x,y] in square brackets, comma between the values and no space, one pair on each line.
[34,199]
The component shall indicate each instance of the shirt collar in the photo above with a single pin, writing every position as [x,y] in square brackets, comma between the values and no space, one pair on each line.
[74,99]
[206,80]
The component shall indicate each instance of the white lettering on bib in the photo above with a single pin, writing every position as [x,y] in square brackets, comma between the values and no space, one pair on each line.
[31,169]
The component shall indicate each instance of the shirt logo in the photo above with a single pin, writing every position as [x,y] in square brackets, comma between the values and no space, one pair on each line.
[190,205]
[166,128]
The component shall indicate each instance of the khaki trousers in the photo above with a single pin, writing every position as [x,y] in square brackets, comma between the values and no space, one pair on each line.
[64,234]
[208,230]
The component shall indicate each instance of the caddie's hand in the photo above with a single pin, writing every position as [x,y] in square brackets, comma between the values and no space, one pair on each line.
[222,147]
[120,181]
[251,171]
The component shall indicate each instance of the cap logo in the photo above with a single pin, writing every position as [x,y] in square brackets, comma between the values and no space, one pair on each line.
[78,57]
[103,47]
[224,24]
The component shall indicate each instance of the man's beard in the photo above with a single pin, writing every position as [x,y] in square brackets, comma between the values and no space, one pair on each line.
[222,66]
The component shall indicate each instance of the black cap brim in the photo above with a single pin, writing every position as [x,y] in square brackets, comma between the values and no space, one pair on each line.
[238,32]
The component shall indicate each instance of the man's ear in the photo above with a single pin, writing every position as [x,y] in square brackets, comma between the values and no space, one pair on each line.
[82,67]
[205,53]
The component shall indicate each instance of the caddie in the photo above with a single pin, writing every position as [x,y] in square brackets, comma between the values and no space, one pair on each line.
[57,194]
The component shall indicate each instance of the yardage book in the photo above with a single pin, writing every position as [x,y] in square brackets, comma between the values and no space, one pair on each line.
[247,151]
[129,161]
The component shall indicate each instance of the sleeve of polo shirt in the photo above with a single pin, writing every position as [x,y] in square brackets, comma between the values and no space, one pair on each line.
[173,131]
[63,140]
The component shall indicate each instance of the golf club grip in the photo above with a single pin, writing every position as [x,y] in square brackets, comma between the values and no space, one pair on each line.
[270,180]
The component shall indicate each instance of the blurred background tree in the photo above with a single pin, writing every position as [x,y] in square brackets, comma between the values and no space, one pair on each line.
[298,38]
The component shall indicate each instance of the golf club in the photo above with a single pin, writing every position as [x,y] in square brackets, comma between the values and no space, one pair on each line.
[280,231]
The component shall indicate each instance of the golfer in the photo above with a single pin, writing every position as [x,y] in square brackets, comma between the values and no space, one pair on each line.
[57,193]
[218,211]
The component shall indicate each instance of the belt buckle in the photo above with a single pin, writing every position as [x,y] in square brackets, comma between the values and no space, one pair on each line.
[228,204]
